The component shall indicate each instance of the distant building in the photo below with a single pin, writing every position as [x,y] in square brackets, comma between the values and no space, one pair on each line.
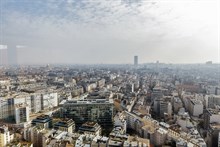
[91,128]
[101,83]
[67,125]
[135,60]
[209,62]
[43,121]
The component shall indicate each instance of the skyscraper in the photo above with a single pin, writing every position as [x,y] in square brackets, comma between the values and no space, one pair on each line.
[135,60]
[3,57]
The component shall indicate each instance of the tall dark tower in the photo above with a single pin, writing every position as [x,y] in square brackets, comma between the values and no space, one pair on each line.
[136,60]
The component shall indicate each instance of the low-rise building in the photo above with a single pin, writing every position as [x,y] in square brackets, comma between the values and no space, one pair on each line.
[67,125]
[5,136]
[159,137]
[43,121]
[91,128]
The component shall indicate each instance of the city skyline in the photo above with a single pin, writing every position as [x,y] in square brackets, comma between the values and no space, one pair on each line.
[110,32]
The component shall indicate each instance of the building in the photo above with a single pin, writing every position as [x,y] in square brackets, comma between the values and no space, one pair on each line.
[184,121]
[38,136]
[208,63]
[156,94]
[211,116]
[101,83]
[195,107]
[162,107]
[8,105]
[177,104]
[212,100]
[212,136]
[3,108]
[136,60]
[43,121]
[119,121]
[34,102]
[5,136]
[48,100]
[67,125]
[95,110]
[91,128]
[159,137]
[21,113]
[134,122]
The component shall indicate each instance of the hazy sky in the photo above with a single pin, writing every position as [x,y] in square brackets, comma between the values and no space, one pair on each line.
[111,31]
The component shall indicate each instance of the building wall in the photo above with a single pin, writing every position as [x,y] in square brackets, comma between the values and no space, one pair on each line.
[21,114]
[159,138]
[210,118]
[212,100]
[195,109]
[97,112]
[5,137]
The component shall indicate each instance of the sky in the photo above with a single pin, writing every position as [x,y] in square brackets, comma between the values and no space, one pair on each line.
[110,31]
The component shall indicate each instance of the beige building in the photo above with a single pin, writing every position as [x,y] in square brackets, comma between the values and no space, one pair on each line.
[159,137]
[91,128]
[5,136]
[67,125]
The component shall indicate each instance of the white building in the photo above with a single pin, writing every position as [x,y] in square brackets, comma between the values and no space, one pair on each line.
[211,116]
[195,107]
[212,100]
[49,100]
[3,108]
[21,113]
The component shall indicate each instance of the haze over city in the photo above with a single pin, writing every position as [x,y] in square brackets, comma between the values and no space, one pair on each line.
[109,73]
[110,32]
